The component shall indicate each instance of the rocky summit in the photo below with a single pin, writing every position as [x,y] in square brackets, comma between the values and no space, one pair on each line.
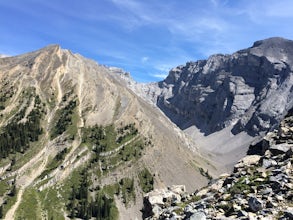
[260,187]
[250,89]
[226,102]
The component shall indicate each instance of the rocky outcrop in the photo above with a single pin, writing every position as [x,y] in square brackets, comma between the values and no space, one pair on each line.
[250,90]
[158,199]
[261,186]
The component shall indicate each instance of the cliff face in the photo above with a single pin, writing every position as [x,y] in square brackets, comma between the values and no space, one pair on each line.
[250,90]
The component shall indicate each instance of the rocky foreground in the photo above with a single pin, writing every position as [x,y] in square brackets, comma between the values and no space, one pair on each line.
[260,186]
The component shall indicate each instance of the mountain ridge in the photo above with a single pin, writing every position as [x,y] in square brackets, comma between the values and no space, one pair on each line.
[70,96]
[83,121]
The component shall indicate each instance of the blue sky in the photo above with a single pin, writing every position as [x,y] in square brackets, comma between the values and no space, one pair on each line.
[144,37]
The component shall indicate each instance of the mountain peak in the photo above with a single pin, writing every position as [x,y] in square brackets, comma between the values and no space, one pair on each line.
[275,49]
[272,41]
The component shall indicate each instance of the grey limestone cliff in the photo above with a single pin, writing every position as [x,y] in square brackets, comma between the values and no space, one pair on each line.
[250,90]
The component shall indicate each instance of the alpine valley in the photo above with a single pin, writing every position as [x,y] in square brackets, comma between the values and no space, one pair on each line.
[80,140]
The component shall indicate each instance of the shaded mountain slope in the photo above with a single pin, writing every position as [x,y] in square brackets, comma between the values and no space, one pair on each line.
[228,101]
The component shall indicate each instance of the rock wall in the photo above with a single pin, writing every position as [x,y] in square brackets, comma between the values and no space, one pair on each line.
[250,89]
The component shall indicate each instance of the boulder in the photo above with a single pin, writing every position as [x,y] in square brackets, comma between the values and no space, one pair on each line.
[203,192]
[158,198]
[198,216]
[288,213]
[248,161]
[266,163]
[280,148]
[255,204]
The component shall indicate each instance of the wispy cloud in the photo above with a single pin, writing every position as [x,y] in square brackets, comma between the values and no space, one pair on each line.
[159,76]
[144,59]
[4,55]
[183,25]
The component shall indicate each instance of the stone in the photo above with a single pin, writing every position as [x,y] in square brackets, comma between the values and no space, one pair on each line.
[156,211]
[175,216]
[255,204]
[236,207]
[266,191]
[248,161]
[228,180]
[289,186]
[198,216]
[202,192]
[288,213]
[279,197]
[252,216]
[226,196]
[224,175]
[179,189]
[289,153]
[217,185]
[242,213]
[266,163]
[259,180]
[188,208]
[280,148]
[270,204]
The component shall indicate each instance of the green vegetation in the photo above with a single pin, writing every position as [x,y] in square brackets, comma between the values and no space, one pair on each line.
[146,180]
[239,187]
[9,196]
[113,147]
[29,207]
[107,138]
[103,207]
[129,152]
[55,163]
[85,201]
[64,119]
[127,190]
[244,184]
[228,208]
[78,194]
[83,205]
[6,93]
[1,212]
[4,187]
[205,173]
[51,202]
[41,204]
[17,135]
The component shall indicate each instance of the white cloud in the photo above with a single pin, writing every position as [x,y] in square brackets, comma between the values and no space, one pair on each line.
[196,26]
[4,55]
[164,67]
[159,76]
[144,59]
